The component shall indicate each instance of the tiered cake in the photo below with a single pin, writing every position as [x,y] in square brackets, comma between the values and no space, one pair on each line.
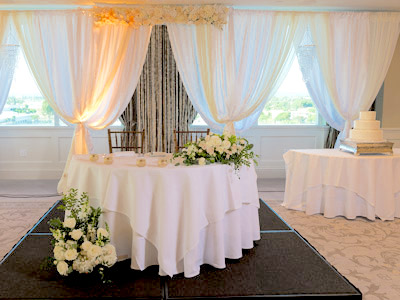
[366,137]
[367,129]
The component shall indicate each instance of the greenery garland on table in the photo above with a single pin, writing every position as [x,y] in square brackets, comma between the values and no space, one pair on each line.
[79,243]
[217,148]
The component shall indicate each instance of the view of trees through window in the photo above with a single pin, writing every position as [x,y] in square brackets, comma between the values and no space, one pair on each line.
[291,104]
[25,104]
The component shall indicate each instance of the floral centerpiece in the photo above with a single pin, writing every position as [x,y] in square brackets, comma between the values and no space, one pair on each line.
[217,148]
[79,243]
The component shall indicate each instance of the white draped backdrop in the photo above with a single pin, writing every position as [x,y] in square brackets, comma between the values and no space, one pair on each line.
[229,74]
[353,51]
[88,74]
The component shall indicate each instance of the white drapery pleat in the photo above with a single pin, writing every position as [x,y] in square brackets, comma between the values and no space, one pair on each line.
[8,59]
[354,51]
[87,74]
[229,74]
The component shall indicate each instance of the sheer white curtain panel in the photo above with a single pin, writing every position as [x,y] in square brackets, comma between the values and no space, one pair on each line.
[87,74]
[354,51]
[229,74]
[8,58]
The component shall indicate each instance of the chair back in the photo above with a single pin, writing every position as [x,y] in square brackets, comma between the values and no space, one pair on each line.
[182,137]
[126,140]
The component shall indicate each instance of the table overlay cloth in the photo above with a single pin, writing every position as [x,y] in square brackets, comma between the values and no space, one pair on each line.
[177,217]
[338,183]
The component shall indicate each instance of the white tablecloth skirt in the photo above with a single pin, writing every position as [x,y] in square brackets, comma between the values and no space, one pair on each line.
[217,241]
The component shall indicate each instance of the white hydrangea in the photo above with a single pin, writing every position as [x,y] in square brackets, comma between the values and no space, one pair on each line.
[70,223]
[83,265]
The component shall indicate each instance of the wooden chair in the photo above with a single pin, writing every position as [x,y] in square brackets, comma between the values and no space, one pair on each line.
[182,137]
[126,140]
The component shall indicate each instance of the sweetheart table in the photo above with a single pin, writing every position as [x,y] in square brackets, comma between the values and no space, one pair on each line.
[337,183]
[177,217]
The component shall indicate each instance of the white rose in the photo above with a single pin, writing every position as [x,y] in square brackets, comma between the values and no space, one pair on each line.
[207,138]
[108,260]
[202,161]
[226,144]
[71,254]
[94,251]
[216,140]
[59,253]
[86,245]
[102,232]
[219,149]
[76,234]
[210,150]
[70,223]
[203,145]
[62,268]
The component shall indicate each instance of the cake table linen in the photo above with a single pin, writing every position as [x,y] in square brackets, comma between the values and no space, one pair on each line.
[337,183]
[177,217]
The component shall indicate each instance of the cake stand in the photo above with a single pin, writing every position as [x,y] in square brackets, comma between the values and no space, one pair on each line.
[364,148]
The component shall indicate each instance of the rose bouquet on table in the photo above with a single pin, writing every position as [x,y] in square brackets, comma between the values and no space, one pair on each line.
[217,148]
[79,243]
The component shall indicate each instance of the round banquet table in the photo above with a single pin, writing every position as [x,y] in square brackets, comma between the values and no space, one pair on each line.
[177,217]
[338,183]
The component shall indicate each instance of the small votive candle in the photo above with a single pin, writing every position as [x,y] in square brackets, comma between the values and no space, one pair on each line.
[141,162]
[108,160]
[94,157]
[162,162]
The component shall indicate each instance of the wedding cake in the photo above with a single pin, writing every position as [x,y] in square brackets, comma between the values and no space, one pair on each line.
[367,129]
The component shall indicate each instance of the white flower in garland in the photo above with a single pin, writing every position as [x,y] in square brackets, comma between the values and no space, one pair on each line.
[76,234]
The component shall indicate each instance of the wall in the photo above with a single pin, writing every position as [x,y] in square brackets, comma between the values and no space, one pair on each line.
[40,152]
[391,93]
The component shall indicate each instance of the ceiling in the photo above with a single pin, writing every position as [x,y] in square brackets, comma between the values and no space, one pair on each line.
[266,4]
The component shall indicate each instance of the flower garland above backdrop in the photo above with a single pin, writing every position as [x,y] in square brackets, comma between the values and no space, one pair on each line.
[216,15]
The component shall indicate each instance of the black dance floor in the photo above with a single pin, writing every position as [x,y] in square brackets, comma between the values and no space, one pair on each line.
[281,265]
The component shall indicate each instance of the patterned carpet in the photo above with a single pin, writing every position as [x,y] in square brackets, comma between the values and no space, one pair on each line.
[17,216]
[366,252]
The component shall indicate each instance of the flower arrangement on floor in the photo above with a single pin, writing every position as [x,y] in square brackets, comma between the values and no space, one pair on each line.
[79,243]
[217,148]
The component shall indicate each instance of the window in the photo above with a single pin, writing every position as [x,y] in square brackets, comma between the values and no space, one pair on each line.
[291,104]
[25,105]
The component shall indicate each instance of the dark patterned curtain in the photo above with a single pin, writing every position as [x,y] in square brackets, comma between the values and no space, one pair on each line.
[160,103]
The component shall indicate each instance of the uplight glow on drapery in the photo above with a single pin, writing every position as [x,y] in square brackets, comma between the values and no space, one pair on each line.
[229,74]
[8,59]
[354,51]
[87,74]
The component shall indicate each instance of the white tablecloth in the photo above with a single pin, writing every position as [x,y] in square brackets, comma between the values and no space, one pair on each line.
[337,183]
[174,217]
